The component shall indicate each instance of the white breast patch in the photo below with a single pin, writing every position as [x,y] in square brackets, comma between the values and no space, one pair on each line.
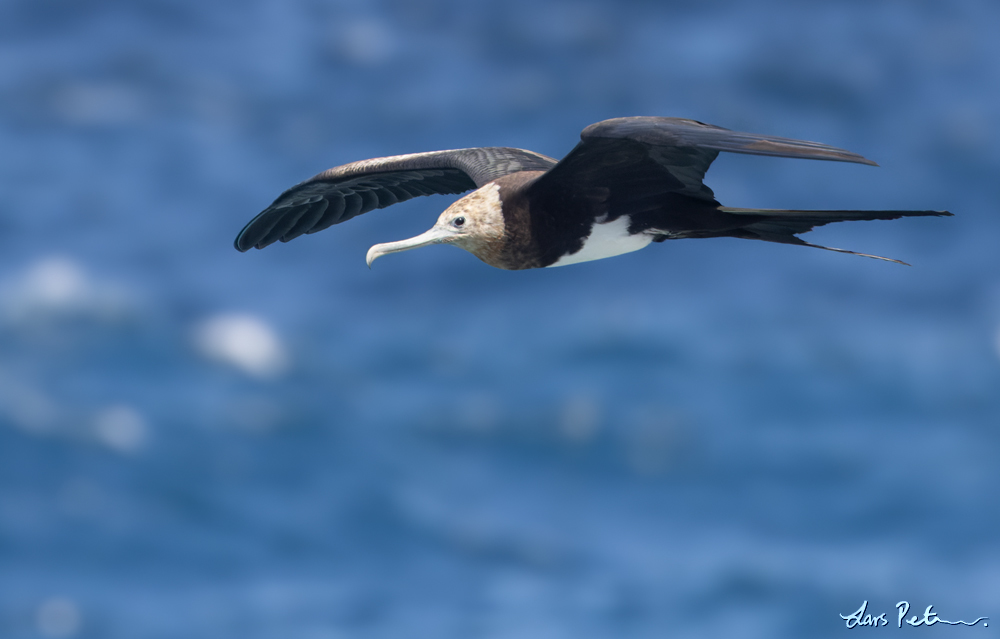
[607,240]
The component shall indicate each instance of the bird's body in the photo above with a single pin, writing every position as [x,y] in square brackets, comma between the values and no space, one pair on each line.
[628,183]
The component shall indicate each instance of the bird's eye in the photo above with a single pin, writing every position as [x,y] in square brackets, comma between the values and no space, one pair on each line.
[458,221]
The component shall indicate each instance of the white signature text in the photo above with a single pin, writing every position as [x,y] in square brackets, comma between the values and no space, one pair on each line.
[861,617]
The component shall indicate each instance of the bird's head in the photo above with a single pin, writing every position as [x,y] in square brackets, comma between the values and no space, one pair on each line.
[474,223]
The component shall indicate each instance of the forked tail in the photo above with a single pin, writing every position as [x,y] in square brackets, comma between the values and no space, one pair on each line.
[778,225]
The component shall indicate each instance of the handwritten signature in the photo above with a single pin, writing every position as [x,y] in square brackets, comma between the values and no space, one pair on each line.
[861,617]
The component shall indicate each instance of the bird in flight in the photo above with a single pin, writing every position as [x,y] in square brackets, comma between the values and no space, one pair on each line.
[628,183]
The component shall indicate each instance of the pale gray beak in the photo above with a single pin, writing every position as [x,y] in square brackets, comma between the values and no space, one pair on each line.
[435,235]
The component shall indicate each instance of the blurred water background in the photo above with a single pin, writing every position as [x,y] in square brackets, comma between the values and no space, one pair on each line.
[713,438]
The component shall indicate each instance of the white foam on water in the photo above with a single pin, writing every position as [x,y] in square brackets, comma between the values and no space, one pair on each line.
[244,342]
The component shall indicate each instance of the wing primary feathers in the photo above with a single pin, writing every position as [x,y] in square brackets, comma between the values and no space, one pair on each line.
[306,221]
[385,197]
[359,187]
[369,202]
[331,216]
[679,132]
[284,223]
[352,206]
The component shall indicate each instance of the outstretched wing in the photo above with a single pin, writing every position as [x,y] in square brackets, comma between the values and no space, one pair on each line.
[671,154]
[340,193]
[649,169]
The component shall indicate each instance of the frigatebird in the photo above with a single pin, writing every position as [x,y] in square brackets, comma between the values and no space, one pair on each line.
[628,183]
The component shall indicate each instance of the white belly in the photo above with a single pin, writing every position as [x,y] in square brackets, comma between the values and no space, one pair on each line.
[607,240]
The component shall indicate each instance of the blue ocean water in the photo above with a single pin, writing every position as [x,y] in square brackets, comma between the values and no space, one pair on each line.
[714,438]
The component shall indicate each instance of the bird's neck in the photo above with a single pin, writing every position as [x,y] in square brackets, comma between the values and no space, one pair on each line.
[517,248]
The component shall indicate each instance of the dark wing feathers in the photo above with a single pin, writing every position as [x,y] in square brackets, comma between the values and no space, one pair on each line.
[684,149]
[340,193]
[678,132]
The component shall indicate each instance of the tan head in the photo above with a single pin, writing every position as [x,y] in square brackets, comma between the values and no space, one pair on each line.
[473,223]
